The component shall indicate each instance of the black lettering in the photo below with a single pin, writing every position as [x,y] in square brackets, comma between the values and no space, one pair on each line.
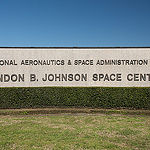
[32,77]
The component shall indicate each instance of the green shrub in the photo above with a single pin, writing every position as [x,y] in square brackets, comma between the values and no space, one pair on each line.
[137,98]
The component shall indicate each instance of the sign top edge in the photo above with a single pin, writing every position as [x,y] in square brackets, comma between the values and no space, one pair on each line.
[73,47]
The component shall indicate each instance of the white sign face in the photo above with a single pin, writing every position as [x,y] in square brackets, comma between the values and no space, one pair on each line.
[75,67]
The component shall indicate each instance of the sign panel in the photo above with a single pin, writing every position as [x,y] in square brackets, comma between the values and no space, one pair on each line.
[75,67]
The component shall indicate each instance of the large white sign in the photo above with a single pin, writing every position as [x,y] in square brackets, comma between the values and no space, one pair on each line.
[75,67]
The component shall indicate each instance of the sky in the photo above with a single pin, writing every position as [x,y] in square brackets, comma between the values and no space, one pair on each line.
[75,23]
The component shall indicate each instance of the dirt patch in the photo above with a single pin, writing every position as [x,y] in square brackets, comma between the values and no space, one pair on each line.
[72,111]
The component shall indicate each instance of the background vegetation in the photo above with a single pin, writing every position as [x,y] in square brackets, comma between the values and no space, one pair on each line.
[138,98]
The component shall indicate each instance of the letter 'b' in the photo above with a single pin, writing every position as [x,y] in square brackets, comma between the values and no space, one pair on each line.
[32,77]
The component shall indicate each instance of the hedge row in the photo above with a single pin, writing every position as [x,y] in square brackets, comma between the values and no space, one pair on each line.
[75,97]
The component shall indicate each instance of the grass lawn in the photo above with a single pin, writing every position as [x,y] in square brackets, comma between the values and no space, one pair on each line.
[77,131]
